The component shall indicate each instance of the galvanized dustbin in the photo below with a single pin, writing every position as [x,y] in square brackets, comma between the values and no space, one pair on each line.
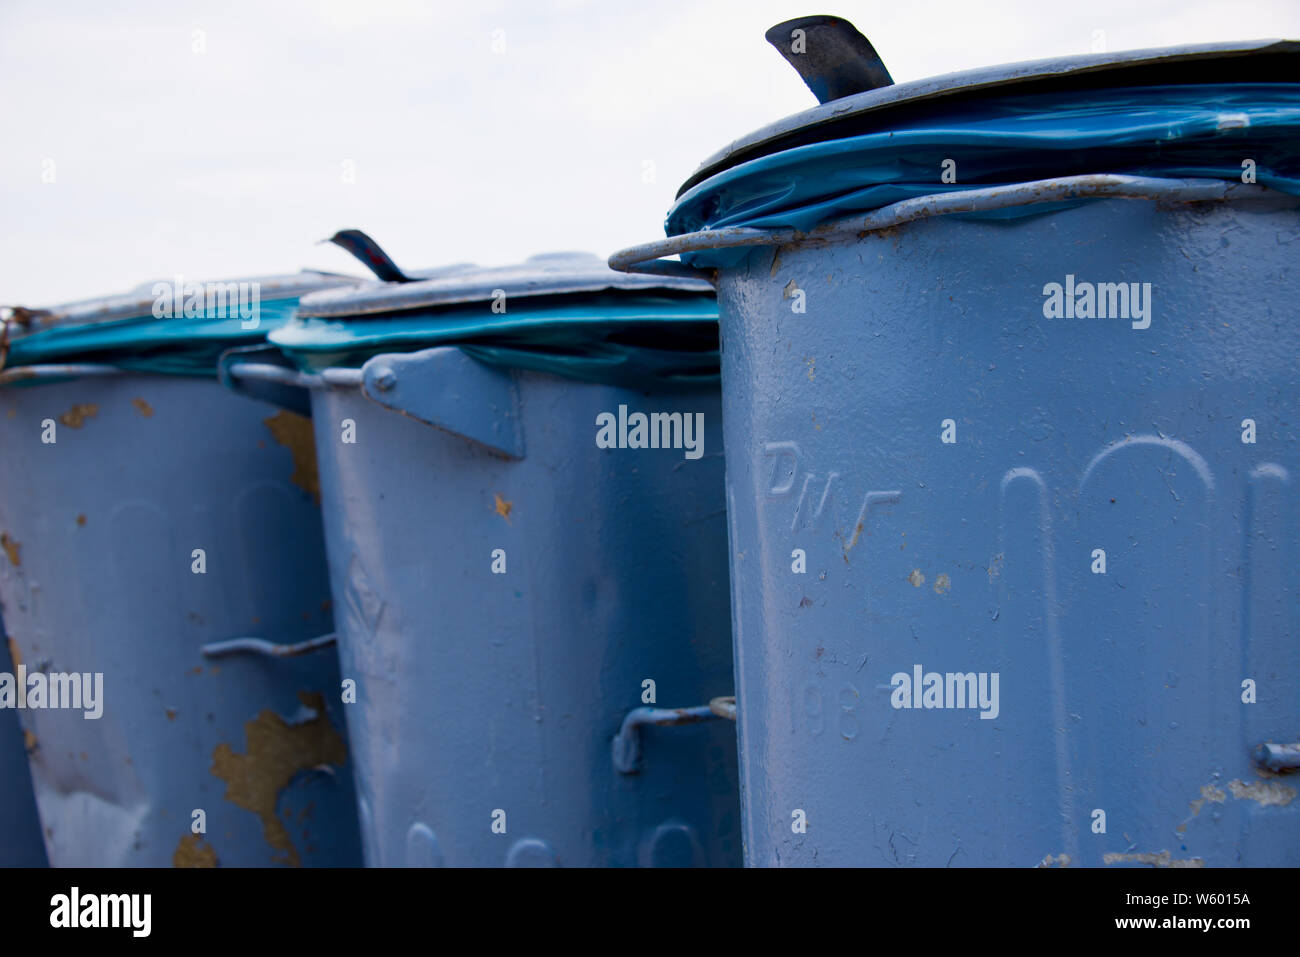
[524,612]
[1010,391]
[147,514]
[20,828]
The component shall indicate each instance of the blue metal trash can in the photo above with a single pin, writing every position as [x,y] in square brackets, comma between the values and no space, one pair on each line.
[20,827]
[147,513]
[517,605]
[1010,393]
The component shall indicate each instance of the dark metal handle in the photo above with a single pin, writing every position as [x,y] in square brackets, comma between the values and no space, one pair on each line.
[370,254]
[834,59]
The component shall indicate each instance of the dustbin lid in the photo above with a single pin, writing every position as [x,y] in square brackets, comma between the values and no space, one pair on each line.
[1204,112]
[567,314]
[546,274]
[1251,61]
[166,326]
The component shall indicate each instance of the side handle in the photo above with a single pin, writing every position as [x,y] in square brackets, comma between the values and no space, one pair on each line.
[264,648]
[626,748]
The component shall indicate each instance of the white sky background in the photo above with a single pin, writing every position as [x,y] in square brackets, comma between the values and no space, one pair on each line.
[230,162]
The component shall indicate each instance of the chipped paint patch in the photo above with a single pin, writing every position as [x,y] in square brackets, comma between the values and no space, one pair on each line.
[503,507]
[143,407]
[1059,860]
[192,852]
[294,432]
[790,289]
[1266,793]
[1208,793]
[916,578]
[1162,859]
[942,585]
[11,548]
[812,367]
[76,416]
[276,752]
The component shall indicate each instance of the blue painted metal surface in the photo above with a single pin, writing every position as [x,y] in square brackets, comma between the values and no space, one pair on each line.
[1119,692]
[485,697]
[506,591]
[1013,587]
[20,827]
[102,528]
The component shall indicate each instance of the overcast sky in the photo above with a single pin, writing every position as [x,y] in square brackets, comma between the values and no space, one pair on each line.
[220,139]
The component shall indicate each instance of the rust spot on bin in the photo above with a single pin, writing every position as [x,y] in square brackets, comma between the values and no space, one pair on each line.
[276,752]
[14,654]
[1265,793]
[503,507]
[11,548]
[294,432]
[29,741]
[192,852]
[76,416]
[143,407]
[1161,859]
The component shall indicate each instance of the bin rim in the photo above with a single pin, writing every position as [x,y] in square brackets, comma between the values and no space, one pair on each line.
[649,258]
[540,276]
[1276,60]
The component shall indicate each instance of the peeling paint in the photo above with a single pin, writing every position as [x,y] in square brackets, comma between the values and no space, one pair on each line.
[503,507]
[192,852]
[276,752]
[143,407]
[916,578]
[11,548]
[812,367]
[1208,793]
[942,584]
[1162,859]
[76,416]
[294,432]
[1059,860]
[1266,793]
[790,289]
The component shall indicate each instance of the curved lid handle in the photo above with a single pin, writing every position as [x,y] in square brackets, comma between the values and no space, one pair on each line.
[370,254]
[834,59]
